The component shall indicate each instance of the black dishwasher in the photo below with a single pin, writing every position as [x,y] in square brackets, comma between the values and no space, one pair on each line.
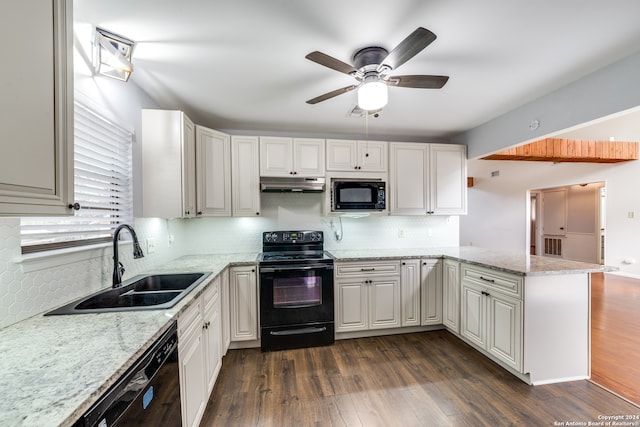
[148,394]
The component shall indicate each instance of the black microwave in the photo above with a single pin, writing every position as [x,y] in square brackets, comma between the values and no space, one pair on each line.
[357,195]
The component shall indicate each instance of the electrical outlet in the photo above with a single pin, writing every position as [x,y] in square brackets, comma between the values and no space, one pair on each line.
[151,245]
[401,233]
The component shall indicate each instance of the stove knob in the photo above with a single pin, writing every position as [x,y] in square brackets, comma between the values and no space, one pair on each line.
[315,236]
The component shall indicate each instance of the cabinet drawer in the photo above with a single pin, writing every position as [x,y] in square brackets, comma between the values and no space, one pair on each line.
[211,294]
[190,321]
[348,269]
[509,284]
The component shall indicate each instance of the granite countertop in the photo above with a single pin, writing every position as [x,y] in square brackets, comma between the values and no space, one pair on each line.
[510,262]
[54,368]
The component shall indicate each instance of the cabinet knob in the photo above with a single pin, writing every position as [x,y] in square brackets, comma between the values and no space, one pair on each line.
[253,270]
[291,173]
[75,206]
[199,213]
[404,263]
[257,213]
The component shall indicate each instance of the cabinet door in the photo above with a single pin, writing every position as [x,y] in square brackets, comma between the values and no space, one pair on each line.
[36,105]
[473,308]
[189,167]
[384,303]
[245,183]
[308,157]
[408,195]
[212,332]
[192,380]
[213,177]
[451,295]
[372,156]
[341,155]
[244,304]
[168,164]
[224,311]
[276,156]
[447,179]
[505,329]
[410,281]
[351,304]
[431,290]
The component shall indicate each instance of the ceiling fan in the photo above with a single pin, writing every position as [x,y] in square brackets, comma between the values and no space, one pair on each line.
[371,68]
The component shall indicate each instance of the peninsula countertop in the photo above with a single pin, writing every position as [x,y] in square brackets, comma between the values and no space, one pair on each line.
[510,262]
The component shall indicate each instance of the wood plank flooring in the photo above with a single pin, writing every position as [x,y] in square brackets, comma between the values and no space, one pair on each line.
[615,334]
[422,379]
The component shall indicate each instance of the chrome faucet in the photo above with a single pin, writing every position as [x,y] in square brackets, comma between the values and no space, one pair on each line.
[118,268]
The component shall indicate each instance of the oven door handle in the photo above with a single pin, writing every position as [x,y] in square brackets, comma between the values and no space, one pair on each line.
[296,268]
[311,330]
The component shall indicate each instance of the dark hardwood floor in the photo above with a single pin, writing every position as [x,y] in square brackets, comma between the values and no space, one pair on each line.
[615,334]
[422,379]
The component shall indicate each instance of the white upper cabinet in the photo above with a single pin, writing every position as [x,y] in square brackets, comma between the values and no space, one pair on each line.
[448,179]
[213,172]
[168,164]
[245,178]
[36,108]
[428,179]
[288,157]
[358,156]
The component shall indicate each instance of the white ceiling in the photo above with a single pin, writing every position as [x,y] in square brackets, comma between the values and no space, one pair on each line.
[240,64]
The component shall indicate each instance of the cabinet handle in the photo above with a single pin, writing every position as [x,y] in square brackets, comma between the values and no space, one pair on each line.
[367,269]
[486,293]
[75,206]
[199,213]
[487,280]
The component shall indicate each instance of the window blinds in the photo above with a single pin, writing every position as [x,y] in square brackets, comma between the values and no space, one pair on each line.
[103,188]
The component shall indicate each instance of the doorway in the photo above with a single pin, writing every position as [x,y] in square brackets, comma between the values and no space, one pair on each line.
[568,222]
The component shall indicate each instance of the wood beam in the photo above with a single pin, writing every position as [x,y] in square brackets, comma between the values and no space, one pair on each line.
[570,150]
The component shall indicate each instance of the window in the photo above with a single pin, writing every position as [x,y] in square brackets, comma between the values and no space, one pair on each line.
[102,182]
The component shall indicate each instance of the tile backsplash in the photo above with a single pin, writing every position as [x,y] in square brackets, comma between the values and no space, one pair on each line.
[30,287]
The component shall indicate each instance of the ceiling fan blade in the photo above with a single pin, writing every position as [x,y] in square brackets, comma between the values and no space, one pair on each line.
[408,48]
[331,94]
[331,62]
[420,82]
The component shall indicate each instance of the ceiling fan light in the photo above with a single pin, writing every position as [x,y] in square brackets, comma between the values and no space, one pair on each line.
[372,95]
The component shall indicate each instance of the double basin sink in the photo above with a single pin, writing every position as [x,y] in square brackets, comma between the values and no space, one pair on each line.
[150,292]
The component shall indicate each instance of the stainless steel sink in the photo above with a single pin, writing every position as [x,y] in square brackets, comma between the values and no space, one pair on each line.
[151,292]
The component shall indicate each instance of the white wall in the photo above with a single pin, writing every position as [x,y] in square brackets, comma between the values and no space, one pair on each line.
[497,206]
[607,91]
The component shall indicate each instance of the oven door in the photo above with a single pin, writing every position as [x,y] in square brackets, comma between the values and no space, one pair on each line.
[296,294]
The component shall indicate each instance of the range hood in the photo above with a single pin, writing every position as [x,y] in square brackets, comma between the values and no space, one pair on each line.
[291,185]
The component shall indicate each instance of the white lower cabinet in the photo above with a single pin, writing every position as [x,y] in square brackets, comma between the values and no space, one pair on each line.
[243,301]
[451,295]
[410,280]
[199,351]
[367,296]
[491,313]
[431,291]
